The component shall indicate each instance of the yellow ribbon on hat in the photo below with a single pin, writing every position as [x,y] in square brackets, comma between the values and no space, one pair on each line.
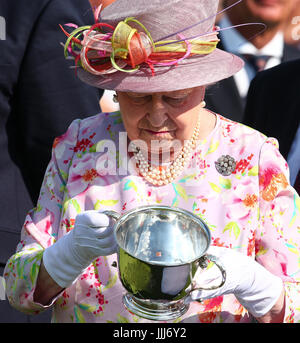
[199,47]
[121,39]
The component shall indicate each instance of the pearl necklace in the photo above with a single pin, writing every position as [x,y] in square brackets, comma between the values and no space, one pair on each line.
[160,175]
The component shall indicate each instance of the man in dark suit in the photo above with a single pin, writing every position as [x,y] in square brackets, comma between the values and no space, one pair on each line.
[272,107]
[265,50]
[39,97]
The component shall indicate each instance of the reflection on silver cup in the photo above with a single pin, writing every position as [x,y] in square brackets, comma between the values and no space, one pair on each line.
[160,249]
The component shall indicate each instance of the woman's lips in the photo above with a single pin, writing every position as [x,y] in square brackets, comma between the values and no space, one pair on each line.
[160,133]
[157,132]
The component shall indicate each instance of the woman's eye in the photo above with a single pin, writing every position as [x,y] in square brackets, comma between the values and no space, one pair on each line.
[140,99]
[176,100]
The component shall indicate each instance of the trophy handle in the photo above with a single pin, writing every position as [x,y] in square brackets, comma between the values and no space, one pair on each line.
[113,214]
[203,263]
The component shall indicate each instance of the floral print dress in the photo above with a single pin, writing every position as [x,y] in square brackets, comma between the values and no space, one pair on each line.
[254,210]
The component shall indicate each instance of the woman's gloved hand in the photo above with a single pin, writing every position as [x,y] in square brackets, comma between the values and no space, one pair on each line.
[91,237]
[254,286]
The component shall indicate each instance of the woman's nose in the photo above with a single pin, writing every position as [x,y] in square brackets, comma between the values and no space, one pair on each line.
[157,115]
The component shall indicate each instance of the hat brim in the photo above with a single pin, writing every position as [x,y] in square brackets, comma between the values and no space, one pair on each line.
[189,73]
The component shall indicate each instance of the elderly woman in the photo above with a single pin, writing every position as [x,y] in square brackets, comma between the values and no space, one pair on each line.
[163,147]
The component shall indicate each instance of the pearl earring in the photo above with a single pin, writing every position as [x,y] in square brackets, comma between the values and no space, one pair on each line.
[115,98]
[203,103]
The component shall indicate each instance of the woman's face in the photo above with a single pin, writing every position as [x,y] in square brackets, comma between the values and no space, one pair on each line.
[163,116]
[267,11]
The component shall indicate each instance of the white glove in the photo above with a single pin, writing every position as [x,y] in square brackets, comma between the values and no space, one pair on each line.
[91,237]
[254,286]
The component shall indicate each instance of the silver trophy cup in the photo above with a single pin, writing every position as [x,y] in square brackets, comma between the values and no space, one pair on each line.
[159,250]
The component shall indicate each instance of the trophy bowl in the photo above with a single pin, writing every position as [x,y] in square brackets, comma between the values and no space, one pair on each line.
[159,251]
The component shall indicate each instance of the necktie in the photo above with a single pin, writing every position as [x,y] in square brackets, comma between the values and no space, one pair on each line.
[258,62]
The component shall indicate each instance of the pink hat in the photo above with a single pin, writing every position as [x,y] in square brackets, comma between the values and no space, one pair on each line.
[177,47]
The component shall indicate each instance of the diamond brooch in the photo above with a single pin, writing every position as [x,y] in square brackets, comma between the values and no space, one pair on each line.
[225,165]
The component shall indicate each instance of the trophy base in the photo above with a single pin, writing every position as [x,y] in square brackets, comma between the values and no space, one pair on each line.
[155,309]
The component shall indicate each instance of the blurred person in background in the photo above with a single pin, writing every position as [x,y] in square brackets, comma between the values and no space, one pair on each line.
[259,51]
[221,6]
[280,118]
[39,96]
